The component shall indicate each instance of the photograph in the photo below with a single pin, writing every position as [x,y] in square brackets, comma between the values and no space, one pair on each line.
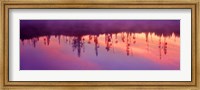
[100,44]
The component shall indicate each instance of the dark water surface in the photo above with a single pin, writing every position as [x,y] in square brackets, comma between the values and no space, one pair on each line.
[100,45]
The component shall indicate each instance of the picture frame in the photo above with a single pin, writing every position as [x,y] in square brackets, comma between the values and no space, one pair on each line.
[183,85]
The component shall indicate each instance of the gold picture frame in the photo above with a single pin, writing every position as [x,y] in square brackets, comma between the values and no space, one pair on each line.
[182,85]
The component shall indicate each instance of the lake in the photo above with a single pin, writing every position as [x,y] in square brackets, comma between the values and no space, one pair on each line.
[99,45]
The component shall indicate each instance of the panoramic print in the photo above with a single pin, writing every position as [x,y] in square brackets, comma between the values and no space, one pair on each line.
[99,44]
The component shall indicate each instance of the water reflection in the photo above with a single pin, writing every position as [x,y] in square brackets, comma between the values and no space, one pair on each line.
[126,40]
[99,45]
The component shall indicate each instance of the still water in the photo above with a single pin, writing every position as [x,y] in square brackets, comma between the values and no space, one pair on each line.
[104,51]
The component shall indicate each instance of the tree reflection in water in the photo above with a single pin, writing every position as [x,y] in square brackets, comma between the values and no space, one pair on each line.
[100,45]
[111,39]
